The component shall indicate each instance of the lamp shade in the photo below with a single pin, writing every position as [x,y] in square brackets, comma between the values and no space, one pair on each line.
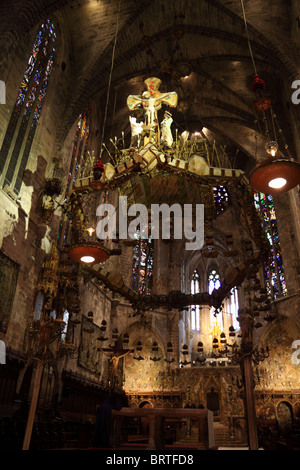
[275,176]
[88,253]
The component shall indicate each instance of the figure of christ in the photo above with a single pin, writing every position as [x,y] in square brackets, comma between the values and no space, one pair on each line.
[115,355]
[152,100]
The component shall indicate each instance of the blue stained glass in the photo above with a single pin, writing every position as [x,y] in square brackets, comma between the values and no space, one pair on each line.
[275,281]
[142,266]
[27,110]
[221,198]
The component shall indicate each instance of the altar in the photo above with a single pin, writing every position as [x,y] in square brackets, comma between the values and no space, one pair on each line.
[156,418]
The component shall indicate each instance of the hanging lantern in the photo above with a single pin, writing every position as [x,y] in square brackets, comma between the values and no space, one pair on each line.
[139,349]
[258,83]
[125,338]
[169,359]
[103,328]
[223,338]
[231,331]
[215,343]
[98,170]
[155,352]
[273,175]
[200,347]
[115,334]
[83,245]
[209,239]
[90,316]
[185,350]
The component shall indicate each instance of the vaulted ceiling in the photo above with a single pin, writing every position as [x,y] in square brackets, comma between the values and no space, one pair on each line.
[204,39]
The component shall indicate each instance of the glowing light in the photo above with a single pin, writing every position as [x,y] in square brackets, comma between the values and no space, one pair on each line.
[87,259]
[277,183]
[91,230]
[271,148]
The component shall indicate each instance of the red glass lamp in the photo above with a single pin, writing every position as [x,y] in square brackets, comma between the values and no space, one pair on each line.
[273,175]
[88,253]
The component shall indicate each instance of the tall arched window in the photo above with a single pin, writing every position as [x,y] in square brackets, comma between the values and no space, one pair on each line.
[142,269]
[195,309]
[231,308]
[77,165]
[79,152]
[21,129]
[274,276]
[214,282]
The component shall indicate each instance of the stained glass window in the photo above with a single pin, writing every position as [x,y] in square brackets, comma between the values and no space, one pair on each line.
[195,309]
[78,157]
[214,282]
[221,198]
[79,152]
[142,270]
[274,276]
[21,129]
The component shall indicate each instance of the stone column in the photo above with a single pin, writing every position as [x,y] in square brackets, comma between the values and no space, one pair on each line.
[247,322]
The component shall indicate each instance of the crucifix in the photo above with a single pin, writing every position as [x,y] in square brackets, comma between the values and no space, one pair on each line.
[115,354]
[152,100]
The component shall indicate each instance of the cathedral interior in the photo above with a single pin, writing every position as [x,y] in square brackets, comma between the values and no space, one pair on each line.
[189,109]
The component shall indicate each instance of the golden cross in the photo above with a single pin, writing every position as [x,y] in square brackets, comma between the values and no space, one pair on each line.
[152,100]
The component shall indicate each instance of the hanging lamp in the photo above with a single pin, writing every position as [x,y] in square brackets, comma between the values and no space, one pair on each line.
[88,249]
[273,175]
[84,246]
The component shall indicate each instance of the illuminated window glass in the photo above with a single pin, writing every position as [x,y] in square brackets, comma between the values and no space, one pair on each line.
[231,307]
[273,268]
[221,198]
[21,129]
[195,309]
[78,158]
[79,152]
[214,283]
[66,317]
[142,269]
